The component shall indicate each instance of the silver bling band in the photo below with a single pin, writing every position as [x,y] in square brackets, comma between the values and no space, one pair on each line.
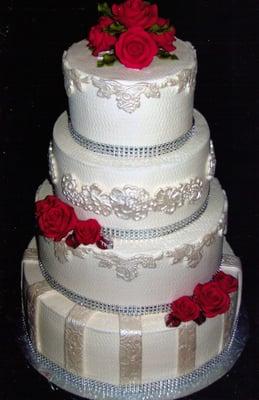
[103,307]
[131,151]
[153,233]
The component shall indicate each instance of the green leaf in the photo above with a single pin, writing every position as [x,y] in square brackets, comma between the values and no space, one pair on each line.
[104,9]
[115,28]
[165,54]
[109,59]
[154,28]
[160,29]
[100,63]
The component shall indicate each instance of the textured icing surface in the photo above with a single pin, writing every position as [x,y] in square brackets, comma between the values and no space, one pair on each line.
[123,106]
[111,174]
[92,274]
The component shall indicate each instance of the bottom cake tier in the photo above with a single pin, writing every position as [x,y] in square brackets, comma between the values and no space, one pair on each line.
[119,349]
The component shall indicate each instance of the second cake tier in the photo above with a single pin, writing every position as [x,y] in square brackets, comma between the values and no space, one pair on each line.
[133,192]
[146,274]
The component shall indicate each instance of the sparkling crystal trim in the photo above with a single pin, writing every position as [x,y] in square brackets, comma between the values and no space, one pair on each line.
[131,202]
[152,233]
[167,389]
[131,151]
[103,307]
[96,305]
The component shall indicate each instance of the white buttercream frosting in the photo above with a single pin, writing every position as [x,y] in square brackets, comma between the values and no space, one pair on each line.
[118,105]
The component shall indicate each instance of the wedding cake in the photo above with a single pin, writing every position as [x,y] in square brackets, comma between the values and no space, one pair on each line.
[130,284]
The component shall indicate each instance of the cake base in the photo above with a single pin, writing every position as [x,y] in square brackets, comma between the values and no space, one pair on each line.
[168,389]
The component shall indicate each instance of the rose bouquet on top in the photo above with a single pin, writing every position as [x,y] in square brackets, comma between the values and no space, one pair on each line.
[131,32]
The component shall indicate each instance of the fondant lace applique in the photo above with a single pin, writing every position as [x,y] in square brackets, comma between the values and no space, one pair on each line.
[128,268]
[128,97]
[131,202]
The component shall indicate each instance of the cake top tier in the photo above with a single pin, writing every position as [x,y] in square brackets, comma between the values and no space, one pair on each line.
[115,105]
[79,58]
[132,83]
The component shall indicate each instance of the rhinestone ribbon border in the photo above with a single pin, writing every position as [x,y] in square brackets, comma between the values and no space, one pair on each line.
[153,233]
[168,389]
[130,310]
[131,151]
[99,306]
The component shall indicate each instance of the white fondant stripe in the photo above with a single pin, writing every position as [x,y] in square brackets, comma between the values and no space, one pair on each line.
[33,293]
[130,351]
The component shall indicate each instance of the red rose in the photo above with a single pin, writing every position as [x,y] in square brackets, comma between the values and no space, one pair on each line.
[162,21]
[172,321]
[211,299]
[85,232]
[136,13]
[185,309]
[55,218]
[99,40]
[105,22]
[164,40]
[46,204]
[135,48]
[226,282]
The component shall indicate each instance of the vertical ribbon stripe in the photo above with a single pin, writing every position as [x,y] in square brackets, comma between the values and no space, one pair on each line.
[186,348]
[34,291]
[74,349]
[130,349]
[229,317]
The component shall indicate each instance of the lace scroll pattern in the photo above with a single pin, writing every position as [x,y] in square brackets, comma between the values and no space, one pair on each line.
[74,338]
[130,352]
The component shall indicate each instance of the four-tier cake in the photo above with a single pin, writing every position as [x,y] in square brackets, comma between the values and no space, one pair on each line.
[130,282]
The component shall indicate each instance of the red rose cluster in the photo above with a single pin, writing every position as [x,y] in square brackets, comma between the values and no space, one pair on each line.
[208,300]
[57,220]
[132,32]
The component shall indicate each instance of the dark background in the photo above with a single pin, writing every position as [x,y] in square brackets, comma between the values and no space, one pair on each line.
[33,36]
